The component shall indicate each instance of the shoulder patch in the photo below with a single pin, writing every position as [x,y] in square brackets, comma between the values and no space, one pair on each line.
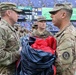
[66,55]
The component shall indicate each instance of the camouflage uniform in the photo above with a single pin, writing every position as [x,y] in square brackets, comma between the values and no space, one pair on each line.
[66,51]
[66,40]
[9,43]
[9,46]
[44,34]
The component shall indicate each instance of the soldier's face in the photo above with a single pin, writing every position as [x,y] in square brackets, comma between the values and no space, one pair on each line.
[56,18]
[13,16]
[42,24]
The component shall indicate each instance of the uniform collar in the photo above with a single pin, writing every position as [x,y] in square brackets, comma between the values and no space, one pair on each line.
[60,32]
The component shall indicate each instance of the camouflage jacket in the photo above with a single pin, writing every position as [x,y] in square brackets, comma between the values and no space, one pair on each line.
[66,51]
[41,35]
[9,46]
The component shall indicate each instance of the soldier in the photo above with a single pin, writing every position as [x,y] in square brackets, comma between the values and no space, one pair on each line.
[41,31]
[34,27]
[66,39]
[9,40]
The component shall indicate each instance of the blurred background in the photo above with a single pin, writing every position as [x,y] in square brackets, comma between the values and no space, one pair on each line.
[34,8]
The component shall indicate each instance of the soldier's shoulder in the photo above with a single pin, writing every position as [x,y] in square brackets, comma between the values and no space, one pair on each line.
[48,32]
[70,31]
[34,32]
[3,26]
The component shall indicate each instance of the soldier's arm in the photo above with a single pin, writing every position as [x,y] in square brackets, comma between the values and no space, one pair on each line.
[6,57]
[65,50]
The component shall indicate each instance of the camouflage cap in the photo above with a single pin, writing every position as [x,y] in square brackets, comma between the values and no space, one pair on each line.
[59,6]
[9,5]
[41,18]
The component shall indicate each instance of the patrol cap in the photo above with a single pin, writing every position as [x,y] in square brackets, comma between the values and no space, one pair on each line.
[41,18]
[9,5]
[59,6]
